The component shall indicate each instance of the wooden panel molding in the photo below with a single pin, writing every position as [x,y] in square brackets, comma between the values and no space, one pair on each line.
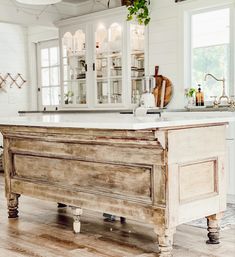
[198,180]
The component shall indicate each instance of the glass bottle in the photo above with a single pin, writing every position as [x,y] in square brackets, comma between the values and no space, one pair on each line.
[199,97]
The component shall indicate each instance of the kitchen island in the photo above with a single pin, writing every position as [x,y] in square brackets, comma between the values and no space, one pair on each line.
[162,171]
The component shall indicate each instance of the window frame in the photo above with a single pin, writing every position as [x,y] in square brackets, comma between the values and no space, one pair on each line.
[187,12]
[44,45]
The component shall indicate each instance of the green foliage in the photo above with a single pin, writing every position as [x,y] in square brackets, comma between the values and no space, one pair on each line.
[190,92]
[139,10]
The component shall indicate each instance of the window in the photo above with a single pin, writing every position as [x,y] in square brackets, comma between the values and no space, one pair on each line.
[49,73]
[211,50]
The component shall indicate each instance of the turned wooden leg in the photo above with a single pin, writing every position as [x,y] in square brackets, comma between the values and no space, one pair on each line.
[12,202]
[165,242]
[213,228]
[61,205]
[77,212]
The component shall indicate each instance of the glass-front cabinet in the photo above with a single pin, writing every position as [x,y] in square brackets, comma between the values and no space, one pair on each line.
[74,70]
[103,60]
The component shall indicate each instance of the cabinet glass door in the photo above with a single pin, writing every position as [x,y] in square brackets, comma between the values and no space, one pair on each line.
[74,68]
[137,40]
[108,63]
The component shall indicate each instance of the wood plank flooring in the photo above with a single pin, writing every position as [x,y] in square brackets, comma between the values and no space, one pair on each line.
[42,230]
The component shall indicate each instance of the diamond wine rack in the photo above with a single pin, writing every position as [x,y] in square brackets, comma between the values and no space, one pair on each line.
[8,79]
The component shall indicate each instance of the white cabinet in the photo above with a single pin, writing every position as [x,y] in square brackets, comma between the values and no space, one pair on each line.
[103,59]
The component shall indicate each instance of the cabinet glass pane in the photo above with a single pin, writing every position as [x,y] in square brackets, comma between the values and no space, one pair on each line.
[137,60]
[75,93]
[102,92]
[67,43]
[108,45]
[74,68]
[116,91]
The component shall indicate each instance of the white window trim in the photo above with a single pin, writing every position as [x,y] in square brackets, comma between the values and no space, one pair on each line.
[42,45]
[186,10]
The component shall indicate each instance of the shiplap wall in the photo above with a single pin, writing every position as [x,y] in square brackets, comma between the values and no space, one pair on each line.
[13,59]
[164,44]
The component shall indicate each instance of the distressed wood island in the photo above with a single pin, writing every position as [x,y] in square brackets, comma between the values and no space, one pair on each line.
[160,174]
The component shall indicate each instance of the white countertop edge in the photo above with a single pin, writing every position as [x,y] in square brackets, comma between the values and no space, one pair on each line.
[133,124]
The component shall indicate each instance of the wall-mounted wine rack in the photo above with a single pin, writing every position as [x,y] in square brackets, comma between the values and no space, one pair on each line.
[9,80]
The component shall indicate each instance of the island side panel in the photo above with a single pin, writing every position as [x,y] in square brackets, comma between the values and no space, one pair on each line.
[196,172]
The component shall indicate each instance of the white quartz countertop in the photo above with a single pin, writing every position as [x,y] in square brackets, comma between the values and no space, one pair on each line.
[114,120]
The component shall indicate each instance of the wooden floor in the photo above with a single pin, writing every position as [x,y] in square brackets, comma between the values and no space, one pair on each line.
[44,231]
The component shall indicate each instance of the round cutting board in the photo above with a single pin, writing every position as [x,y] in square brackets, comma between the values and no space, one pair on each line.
[158,91]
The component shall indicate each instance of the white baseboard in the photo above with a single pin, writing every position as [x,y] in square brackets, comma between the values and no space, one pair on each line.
[231,199]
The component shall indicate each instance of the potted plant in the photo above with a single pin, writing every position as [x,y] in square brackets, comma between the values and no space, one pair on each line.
[190,95]
[139,10]
[68,97]
[127,2]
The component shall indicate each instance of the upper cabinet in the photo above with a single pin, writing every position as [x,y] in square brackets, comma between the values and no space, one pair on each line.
[103,59]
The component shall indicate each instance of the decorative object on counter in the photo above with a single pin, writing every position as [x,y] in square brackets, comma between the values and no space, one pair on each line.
[199,97]
[9,80]
[224,95]
[68,97]
[147,99]
[139,10]
[163,91]
[190,96]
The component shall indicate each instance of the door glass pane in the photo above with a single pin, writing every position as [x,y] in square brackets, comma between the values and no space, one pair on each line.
[211,50]
[46,96]
[54,76]
[44,57]
[45,77]
[49,73]
[55,96]
[54,56]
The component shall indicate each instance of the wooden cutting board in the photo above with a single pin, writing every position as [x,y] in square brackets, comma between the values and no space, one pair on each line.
[158,90]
